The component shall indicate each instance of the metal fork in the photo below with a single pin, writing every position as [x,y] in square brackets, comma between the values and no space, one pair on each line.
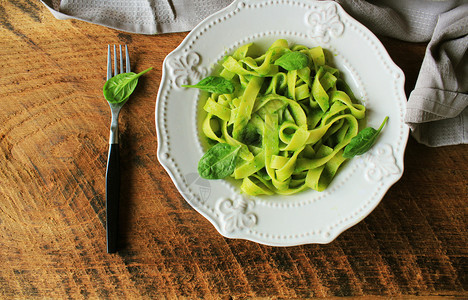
[113,171]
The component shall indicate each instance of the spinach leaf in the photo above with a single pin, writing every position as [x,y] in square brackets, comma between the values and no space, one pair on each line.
[363,141]
[214,84]
[293,61]
[251,136]
[218,162]
[118,88]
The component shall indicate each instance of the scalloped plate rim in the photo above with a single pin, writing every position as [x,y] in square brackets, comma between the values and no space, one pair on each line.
[215,222]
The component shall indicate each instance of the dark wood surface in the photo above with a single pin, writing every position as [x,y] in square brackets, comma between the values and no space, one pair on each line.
[53,152]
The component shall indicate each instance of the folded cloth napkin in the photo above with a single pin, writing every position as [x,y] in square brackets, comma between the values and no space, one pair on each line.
[138,16]
[437,111]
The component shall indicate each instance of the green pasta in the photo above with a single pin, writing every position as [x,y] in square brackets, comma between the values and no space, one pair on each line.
[290,115]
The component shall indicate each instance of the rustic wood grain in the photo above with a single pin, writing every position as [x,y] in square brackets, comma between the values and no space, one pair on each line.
[53,151]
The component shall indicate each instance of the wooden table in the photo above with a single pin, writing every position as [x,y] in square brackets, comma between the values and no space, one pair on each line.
[54,143]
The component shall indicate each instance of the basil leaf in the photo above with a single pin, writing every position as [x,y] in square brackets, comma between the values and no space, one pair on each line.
[118,88]
[214,84]
[293,61]
[363,141]
[218,162]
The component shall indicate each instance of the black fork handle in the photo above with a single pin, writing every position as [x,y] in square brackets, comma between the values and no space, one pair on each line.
[112,197]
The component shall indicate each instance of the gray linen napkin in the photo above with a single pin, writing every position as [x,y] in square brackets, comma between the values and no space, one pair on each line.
[138,16]
[437,110]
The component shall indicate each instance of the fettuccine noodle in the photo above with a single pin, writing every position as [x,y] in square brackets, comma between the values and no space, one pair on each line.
[292,126]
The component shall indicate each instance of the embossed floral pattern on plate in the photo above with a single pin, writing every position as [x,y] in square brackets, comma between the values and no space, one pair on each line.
[324,23]
[237,213]
[186,69]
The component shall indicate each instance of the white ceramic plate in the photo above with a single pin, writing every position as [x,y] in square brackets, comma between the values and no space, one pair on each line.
[310,216]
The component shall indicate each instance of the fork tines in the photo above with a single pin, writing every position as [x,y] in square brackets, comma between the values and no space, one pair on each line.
[116,69]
